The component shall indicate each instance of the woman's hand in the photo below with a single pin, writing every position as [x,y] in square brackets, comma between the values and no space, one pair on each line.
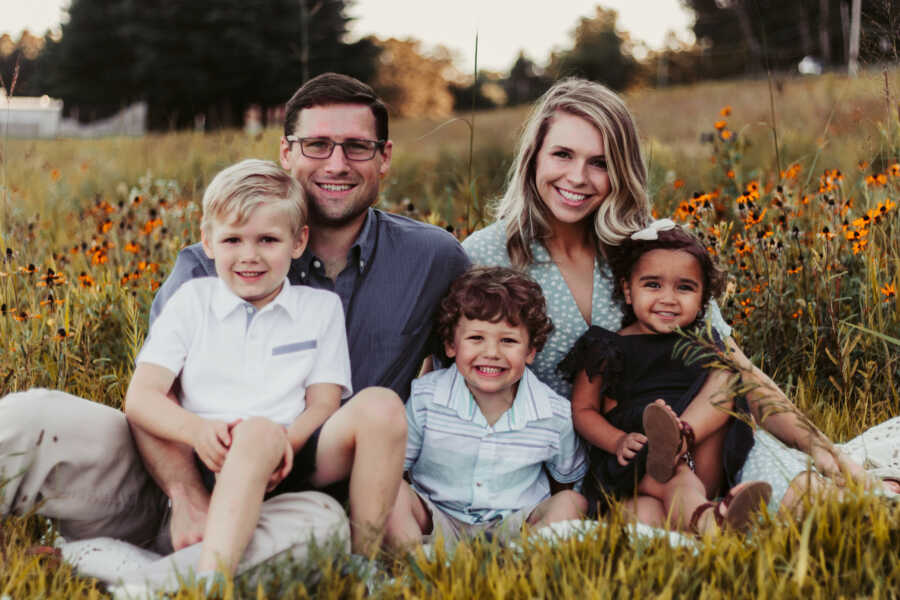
[284,467]
[833,463]
[211,440]
[628,445]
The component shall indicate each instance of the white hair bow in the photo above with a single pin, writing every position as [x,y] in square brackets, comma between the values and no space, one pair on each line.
[651,232]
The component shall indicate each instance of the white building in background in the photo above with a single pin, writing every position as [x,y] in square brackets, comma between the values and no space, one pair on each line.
[29,117]
[25,117]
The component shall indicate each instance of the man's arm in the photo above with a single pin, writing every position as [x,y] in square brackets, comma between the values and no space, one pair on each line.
[191,263]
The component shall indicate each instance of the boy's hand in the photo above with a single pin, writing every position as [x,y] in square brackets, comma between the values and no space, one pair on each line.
[211,442]
[628,445]
[284,467]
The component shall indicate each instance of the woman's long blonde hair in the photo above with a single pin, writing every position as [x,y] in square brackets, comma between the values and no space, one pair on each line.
[625,209]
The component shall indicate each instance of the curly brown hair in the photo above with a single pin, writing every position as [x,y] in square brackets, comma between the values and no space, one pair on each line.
[624,257]
[496,294]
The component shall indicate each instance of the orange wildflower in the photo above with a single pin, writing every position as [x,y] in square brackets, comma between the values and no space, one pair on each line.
[720,124]
[85,280]
[889,292]
[726,111]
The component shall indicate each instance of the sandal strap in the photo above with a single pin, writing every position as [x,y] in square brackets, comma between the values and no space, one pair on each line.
[698,512]
[688,439]
[687,434]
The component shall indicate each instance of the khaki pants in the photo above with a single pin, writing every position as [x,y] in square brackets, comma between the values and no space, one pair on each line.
[74,461]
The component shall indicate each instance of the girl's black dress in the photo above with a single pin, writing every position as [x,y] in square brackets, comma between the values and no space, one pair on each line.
[635,371]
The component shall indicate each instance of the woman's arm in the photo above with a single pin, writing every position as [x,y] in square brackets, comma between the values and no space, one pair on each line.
[775,413]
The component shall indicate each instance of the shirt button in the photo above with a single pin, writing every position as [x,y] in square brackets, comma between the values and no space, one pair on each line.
[477,484]
[317,264]
[303,275]
[362,264]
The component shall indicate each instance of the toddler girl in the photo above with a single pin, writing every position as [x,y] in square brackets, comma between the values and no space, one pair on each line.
[629,387]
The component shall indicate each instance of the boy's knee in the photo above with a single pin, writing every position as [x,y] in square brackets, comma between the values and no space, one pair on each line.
[258,433]
[381,408]
[575,503]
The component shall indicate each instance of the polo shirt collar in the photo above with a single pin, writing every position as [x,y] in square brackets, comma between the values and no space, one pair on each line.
[530,404]
[225,302]
[363,247]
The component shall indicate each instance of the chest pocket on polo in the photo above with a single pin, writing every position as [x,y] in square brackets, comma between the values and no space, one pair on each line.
[294,347]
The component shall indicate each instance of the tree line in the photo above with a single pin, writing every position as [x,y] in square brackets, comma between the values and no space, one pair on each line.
[216,58]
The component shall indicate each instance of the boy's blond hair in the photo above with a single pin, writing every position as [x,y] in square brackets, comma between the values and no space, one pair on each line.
[237,190]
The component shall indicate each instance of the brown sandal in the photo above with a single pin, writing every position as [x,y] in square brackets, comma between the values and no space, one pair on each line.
[736,510]
[667,438]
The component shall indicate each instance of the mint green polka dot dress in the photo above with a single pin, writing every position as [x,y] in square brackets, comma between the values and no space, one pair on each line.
[487,247]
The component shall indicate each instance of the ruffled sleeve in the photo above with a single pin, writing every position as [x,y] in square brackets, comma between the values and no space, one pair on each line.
[597,352]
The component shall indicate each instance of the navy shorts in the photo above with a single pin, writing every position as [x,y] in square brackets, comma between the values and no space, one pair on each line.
[298,480]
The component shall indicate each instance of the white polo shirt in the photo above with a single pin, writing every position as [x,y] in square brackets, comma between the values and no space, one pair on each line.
[235,361]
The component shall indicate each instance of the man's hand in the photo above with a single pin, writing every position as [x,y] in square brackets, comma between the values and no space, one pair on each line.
[628,445]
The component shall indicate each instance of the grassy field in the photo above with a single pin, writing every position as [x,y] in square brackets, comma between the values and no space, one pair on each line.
[809,235]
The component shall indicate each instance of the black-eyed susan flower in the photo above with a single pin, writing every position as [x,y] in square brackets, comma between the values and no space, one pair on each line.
[726,111]
[889,292]
[85,280]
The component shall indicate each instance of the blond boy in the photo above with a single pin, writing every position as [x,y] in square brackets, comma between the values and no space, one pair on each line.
[262,367]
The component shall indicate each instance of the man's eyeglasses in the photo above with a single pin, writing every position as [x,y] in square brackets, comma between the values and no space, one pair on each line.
[318,147]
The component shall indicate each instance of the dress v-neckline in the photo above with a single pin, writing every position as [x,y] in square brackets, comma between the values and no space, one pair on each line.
[595,268]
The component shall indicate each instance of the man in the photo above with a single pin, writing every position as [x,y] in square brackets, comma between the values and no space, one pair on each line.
[390,273]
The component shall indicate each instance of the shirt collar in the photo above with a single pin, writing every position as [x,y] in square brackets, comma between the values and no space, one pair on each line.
[361,251]
[530,404]
[225,302]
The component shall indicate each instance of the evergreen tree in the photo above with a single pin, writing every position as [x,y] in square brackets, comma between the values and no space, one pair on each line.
[184,58]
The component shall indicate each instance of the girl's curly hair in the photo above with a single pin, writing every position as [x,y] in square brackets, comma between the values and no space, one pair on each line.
[496,294]
[624,257]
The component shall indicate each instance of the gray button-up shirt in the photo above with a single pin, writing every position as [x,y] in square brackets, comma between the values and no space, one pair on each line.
[396,274]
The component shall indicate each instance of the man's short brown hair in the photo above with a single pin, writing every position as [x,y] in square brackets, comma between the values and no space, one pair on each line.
[496,294]
[334,88]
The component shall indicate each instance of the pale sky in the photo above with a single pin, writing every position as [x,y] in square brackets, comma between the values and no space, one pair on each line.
[504,26]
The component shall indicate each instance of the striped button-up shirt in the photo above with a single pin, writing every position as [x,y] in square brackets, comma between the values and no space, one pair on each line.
[477,472]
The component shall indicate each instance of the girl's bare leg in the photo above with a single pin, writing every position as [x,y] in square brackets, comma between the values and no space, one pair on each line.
[646,509]
[257,448]
[680,497]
